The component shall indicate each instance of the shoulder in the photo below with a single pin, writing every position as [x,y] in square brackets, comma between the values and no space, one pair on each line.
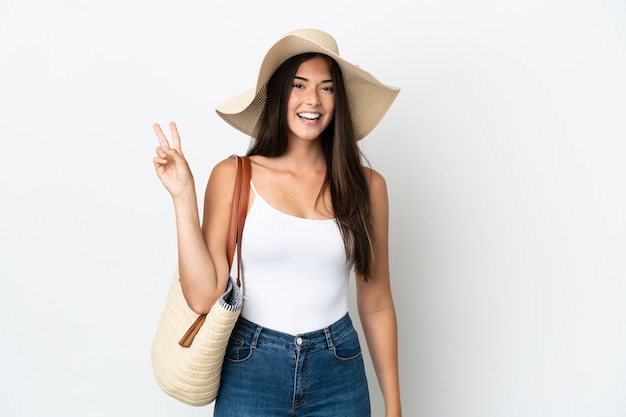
[223,177]
[224,170]
[225,167]
[377,184]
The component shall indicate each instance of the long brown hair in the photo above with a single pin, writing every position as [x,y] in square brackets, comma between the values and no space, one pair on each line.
[345,177]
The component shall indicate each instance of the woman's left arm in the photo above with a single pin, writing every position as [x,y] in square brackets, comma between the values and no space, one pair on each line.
[375,304]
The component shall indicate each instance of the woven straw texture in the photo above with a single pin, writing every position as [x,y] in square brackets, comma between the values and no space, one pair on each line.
[192,375]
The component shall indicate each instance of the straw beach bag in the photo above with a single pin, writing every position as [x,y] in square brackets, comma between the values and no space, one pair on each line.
[188,349]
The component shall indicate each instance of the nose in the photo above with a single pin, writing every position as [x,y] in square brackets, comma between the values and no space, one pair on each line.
[312,97]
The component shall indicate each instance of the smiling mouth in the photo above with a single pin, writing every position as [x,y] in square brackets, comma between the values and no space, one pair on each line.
[309,116]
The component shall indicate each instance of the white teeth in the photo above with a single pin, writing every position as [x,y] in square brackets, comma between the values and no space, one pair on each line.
[312,116]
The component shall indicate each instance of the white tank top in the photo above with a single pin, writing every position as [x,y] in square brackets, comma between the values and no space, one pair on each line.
[295,273]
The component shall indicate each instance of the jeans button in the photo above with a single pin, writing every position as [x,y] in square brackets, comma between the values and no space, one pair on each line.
[299,341]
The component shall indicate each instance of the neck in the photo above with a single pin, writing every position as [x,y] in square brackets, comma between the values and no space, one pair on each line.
[304,155]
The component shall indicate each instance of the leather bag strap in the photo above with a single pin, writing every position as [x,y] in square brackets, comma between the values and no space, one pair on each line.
[239,211]
[242,210]
[235,231]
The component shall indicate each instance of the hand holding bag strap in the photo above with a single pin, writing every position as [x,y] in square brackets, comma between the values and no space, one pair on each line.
[235,230]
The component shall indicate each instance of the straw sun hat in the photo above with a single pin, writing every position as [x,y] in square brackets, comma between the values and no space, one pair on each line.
[368,98]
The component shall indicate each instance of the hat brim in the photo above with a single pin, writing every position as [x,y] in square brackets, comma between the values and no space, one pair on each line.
[368,98]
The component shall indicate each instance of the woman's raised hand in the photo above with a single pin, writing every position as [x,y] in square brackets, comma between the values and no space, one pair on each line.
[170,164]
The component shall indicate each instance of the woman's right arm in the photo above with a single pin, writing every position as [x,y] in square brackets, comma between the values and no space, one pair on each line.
[202,265]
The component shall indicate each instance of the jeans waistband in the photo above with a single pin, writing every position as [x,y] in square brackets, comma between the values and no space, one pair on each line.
[325,336]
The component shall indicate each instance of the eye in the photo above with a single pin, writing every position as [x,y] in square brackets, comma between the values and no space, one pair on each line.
[328,89]
[297,85]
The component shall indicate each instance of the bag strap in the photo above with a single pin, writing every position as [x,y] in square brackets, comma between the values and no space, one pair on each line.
[235,231]
[239,211]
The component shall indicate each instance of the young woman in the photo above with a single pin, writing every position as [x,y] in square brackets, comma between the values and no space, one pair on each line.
[315,214]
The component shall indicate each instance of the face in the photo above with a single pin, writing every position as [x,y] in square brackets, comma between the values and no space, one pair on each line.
[311,104]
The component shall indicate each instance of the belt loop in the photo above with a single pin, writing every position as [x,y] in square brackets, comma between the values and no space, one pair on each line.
[329,338]
[255,338]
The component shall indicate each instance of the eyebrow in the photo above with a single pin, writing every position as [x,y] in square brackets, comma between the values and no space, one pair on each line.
[296,77]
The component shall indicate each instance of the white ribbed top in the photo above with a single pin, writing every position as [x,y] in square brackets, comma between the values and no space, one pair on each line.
[295,273]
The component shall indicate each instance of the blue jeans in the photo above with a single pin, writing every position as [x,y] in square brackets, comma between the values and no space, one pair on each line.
[268,373]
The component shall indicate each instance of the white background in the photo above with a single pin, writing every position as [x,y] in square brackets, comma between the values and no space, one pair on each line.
[504,156]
